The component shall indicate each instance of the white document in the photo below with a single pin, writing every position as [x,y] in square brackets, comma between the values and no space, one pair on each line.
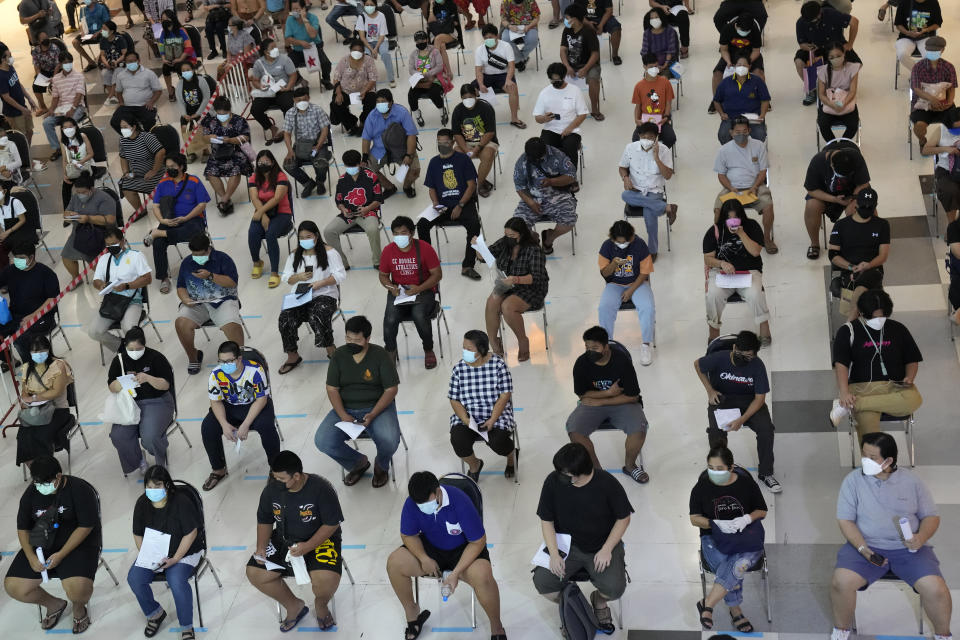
[542,557]
[292,300]
[43,574]
[734,280]
[88,37]
[38,403]
[154,548]
[490,96]
[404,298]
[754,118]
[580,83]
[352,429]
[299,565]
[128,382]
[157,30]
[726,526]
[677,9]
[414,79]
[481,247]
[41,80]
[401,174]
[107,289]
[355,98]
[429,214]
[725,417]
[270,566]
[906,531]
[277,86]
[483,434]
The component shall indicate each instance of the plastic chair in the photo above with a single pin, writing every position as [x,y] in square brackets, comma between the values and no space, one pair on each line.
[759,566]
[26,168]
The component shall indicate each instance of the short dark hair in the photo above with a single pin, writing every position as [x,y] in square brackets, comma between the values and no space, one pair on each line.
[112,231]
[881,440]
[351,157]
[111,25]
[402,221]
[24,248]
[489,29]
[747,341]
[574,459]
[199,242]
[302,90]
[229,346]
[445,132]
[135,334]
[421,35]
[647,128]
[844,161]
[359,324]
[386,94]
[66,56]
[596,334]
[222,103]
[873,299]
[745,20]
[286,462]
[421,485]
[621,229]
[732,205]
[479,339]
[556,69]
[159,473]
[535,147]
[739,120]
[84,180]
[468,90]
[132,52]
[648,58]
[575,11]
[45,468]
[721,451]
[177,158]
[810,10]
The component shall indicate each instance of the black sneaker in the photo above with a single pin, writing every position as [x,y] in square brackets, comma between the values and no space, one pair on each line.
[771,483]
[213,55]
[308,189]
[617,60]
[475,475]
[810,98]
[321,189]
[410,192]
[327,85]
[522,66]
[471,273]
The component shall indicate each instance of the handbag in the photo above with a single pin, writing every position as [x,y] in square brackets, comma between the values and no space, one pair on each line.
[45,528]
[114,305]
[88,239]
[38,416]
[746,541]
[302,147]
[223,151]
[120,408]
[167,204]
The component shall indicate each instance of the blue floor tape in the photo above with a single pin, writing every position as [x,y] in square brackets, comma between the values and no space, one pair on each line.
[254,477]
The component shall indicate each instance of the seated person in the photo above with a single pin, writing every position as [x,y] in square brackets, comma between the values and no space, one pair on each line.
[730,9]
[13,218]
[240,402]
[521,285]
[580,54]
[736,378]
[644,168]
[474,125]
[76,156]
[944,141]
[443,23]
[561,109]
[68,93]
[660,39]
[933,82]
[362,386]
[653,101]
[916,22]
[141,160]
[354,73]
[87,206]
[481,392]
[727,493]
[733,245]
[316,539]
[545,179]
[741,165]
[599,13]
[171,510]
[817,27]
[301,30]
[519,22]
[137,89]
[375,153]
[427,62]
[835,176]
[606,383]
[740,94]
[113,52]
[678,16]
[179,205]
[859,245]
[30,286]
[741,37]
[452,183]
[443,537]
[409,267]
[582,500]
[953,262]
[358,198]
[626,264]
[154,396]
[44,378]
[207,288]
[95,15]
[870,386]
[874,547]
[10,161]
[307,123]
[227,159]
[73,551]
[495,70]
[837,82]
[273,69]
[128,273]
[272,218]
[371,26]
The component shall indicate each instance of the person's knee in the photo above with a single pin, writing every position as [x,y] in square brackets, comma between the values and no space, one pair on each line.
[16,588]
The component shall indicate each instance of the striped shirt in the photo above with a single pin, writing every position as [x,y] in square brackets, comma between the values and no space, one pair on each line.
[65,87]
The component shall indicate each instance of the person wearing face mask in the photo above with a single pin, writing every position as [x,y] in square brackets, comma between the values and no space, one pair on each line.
[371,28]
[362,384]
[442,536]
[298,514]
[426,61]
[154,395]
[835,176]
[175,48]
[137,90]
[239,44]
[481,392]
[644,169]
[876,361]
[591,506]
[599,14]
[306,132]
[561,109]
[626,264]
[95,14]
[580,54]
[653,101]
[215,25]
[73,551]
[519,20]
[88,213]
[30,287]
[45,55]
[43,379]
[318,266]
[443,23]
[192,94]
[943,143]
[742,94]
[272,77]
[474,126]
[727,495]
[13,220]
[10,161]
[876,544]
[358,199]
[68,93]
[272,219]
[933,82]
[227,133]
[76,154]
[916,22]
[301,31]
[127,272]
[354,73]
[818,26]
[14,98]
[678,14]
[495,71]
[179,206]
[545,180]
[659,39]
[837,83]
[113,51]
[169,508]
[376,155]
[739,37]
[859,246]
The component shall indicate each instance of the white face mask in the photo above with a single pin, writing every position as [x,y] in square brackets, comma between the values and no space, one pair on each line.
[469,102]
[870,467]
[741,70]
[126,133]
[67,67]
[302,105]
[645,144]
[69,132]
[274,53]
[136,355]
[743,34]
[655,23]
[653,72]
[356,55]
[622,245]
[876,323]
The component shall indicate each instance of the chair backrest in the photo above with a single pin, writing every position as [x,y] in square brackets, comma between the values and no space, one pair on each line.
[168,136]
[390,17]
[614,345]
[255,33]
[29,200]
[211,83]
[721,343]
[118,212]
[196,41]
[253,355]
[468,486]
[72,398]
[173,378]
[194,495]
[96,141]
[23,149]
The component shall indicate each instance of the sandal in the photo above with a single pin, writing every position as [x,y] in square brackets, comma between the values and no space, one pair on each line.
[52,618]
[882,13]
[813,252]
[287,367]
[213,480]
[741,623]
[554,24]
[353,477]
[165,286]
[274,281]
[496,346]
[599,117]
[638,474]
[153,624]
[278,138]
[257,270]
[380,477]
[81,624]
[414,627]
[603,615]
[705,622]
[189,634]
[193,368]
[326,622]
[771,247]
[519,124]
[289,625]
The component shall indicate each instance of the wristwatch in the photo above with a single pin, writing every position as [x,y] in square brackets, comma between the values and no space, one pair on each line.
[861,548]
[210,277]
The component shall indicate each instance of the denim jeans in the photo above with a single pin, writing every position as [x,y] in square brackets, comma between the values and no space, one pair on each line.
[50,124]
[530,40]
[654,206]
[178,578]
[279,226]
[729,570]
[386,57]
[642,299]
[384,431]
[333,18]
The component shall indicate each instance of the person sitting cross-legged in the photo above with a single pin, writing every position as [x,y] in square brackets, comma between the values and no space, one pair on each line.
[933,82]
[944,142]
[358,198]
[835,176]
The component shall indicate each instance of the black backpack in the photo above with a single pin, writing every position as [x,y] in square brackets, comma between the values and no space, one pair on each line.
[577,619]
[394,140]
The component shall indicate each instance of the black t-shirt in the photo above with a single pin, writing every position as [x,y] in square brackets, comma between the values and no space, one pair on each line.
[588,376]
[860,241]
[587,513]
[725,503]
[915,16]
[580,45]
[730,380]
[727,246]
[78,506]
[595,8]
[29,289]
[474,123]
[740,45]
[820,174]
[892,348]
[178,518]
[298,515]
[152,363]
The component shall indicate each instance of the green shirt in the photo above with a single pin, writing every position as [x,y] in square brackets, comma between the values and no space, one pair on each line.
[361,385]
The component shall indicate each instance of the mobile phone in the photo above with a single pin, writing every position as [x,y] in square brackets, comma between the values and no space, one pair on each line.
[877,559]
[309,268]
[556,116]
[302,288]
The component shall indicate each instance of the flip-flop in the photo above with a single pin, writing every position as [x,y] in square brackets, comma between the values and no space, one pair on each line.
[813,252]
[81,624]
[741,623]
[290,625]
[519,124]
[287,367]
[193,368]
[326,622]
[599,117]
[213,480]
[51,619]
[414,627]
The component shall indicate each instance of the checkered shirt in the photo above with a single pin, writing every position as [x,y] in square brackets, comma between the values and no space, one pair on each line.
[308,123]
[478,388]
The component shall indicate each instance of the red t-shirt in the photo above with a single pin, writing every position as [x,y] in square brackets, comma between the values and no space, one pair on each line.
[402,265]
[265,192]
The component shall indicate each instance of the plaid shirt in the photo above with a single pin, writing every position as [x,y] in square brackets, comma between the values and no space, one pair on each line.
[66,86]
[924,72]
[530,261]
[479,388]
[308,123]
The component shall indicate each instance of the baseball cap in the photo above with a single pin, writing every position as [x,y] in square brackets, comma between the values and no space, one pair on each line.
[867,199]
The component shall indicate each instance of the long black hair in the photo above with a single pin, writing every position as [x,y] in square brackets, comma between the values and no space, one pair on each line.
[159,473]
[310,227]
[831,47]
[266,178]
[518,225]
[40,343]
[171,15]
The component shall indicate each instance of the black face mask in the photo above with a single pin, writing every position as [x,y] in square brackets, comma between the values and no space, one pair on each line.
[740,359]
[421,45]
[167,25]
[353,348]
[594,356]
[173,173]
[510,242]
[114,249]
[564,479]
[556,83]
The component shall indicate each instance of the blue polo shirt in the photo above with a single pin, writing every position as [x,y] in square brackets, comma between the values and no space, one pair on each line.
[737,99]
[298,31]
[95,15]
[193,194]
[455,524]
[376,124]
[219,264]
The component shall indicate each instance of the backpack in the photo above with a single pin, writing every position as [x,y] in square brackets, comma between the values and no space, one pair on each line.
[721,343]
[394,140]
[577,619]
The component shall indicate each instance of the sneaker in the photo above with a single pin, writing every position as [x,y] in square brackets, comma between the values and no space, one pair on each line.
[646,354]
[308,189]
[471,273]
[521,66]
[321,189]
[838,413]
[213,55]
[410,192]
[840,634]
[148,240]
[39,166]
[112,100]
[393,84]
[429,360]
[475,475]
[771,484]
[810,98]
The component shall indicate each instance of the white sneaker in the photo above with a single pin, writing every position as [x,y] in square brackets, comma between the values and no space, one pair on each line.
[838,413]
[840,634]
[771,483]
[393,84]
[143,466]
[646,354]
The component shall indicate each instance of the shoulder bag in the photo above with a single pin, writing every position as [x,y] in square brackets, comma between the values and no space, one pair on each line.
[45,528]
[167,204]
[120,408]
[114,305]
[746,541]
[40,415]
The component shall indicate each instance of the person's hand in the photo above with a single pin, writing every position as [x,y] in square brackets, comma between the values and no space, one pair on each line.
[429,566]
[535,207]
[558,566]
[724,116]
[141,377]
[338,97]
[735,426]
[53,560]
[614,390]
[289,158]
[510,280]
[953,151]
[742,522]
[862,266]
[243,432]
[914,543]
[25,321]
[374,54]
[727,268]
[169,222]
[366,421]
[846,46]
[166,563]
[394,289]
[847,399]
[149,174]
[582,73]
[261,552]
[229,432]
[625,296]
[455,213]
[3,235]
[203,274]
[452,580]
[752,191]
[713,397]
[265,223]
[407,159]
[481,88]
[297,549]
[509,83]
[590,402]
[486,425]
[35,563]
[627,185]
[601,559]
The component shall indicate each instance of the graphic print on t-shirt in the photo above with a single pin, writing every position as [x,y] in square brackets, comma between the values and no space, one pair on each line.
[918,20]
[356,197]
[625,270]
[746,381]
[307,513]
[726,508]
[575,48]
[473,129]
[602,385]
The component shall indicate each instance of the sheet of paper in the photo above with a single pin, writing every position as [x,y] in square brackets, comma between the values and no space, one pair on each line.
[481,247]
[404,298]
[726,526]
[490,96]
[414,79]
[483,434]
[752,117]
[157,30]
[41,80]
[292,300]
[38,403]
[270,566]
[128,381]
[107,289]
[43,574]
[355,98]
[352,429]
[300,573]
[401,174]
[677,9]
[580,83]
[542,557]
[153,549]
[734,280]
[239,446]
[277,86]
[725,417]
[88,37]
[429,214]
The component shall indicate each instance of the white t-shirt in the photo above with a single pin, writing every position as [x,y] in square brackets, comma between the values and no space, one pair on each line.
[568,103]
[11,210]
[372,27]
[334,268]
[133,264]
[494,61]
[644,172]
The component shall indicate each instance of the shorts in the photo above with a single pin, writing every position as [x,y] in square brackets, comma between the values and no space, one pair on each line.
[82,562]
[472,146]
[326,557]
[22,123]
[833,210]
[756,65]
[907,566]
[494,81]
[37,89]
[612,25]
[447,559]
[227,312]
[106,76]
[764,199]
[611,582]
[948,116]
[593,73]
[869,279]
[628,418]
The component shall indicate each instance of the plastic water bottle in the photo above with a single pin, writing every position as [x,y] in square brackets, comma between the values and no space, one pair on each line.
[445,589]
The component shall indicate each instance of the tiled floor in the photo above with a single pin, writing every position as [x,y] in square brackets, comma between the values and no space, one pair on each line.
[661,544]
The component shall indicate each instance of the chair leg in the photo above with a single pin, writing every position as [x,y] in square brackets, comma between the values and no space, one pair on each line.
[765,576]
[473,608]
[245,329]
[205,334]
[546,337]
[346,568]
[83,437]
[196,590]
[47,249]
[102,362]
[909,426]
[276,423]
[103,563]
[155,330]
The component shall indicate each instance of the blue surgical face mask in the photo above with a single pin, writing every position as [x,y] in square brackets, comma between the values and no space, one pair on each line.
[490,43]
[39,357]
[429,508]
[67,67]
[223,117]
[155,495]
[718,477]
[469,356]
[933,55]
[45,488]
[187,75]
[402,241]
[201,260]
[353,170]
[228,368]
[133,66]
[383,107]
[567,24]
[308,243]
[20,263]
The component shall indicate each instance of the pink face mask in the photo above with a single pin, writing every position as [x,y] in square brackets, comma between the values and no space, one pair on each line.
[733,223]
